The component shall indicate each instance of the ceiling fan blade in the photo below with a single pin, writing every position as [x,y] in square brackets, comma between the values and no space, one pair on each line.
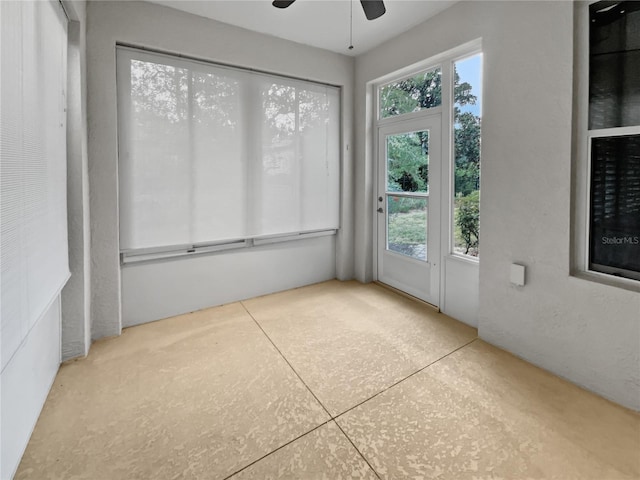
[373,8]
[282,3]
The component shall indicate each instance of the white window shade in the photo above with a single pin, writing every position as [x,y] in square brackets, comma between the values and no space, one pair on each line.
[210,154]
[32,165]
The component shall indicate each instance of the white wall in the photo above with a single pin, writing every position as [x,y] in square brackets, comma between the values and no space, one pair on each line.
[162,289]
[25,383]
[461,289]
[162,28]
[76,296]
[586,332]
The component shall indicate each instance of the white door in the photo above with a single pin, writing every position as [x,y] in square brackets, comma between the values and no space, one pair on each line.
[408,205]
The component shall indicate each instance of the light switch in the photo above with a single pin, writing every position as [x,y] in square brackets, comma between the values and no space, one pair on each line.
[517,274]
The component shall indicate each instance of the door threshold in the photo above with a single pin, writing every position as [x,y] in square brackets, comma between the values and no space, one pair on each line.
[407,295]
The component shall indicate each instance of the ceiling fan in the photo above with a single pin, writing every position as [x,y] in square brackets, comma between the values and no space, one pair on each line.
[372,8]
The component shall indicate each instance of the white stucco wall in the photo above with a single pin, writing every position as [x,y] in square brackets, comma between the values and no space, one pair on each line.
[586,332]
[165,29]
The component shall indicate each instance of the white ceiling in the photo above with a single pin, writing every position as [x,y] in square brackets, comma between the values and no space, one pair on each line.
[320,23]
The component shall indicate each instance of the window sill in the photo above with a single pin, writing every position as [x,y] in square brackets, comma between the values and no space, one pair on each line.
[131,257]
[609,280]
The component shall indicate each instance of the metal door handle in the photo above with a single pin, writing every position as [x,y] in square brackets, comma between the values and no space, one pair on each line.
[380,210]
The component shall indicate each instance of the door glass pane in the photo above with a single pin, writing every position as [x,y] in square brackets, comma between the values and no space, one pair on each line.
[408,162]
[407,226]
[413,94]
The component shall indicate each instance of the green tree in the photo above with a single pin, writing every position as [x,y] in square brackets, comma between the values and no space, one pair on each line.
[421,91]
[468,220]
[408,159]
[408,162]
[408,155]
[467,153]
[412,94]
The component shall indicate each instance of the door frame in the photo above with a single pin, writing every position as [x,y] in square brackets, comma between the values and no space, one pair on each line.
[452,285]
[409,123]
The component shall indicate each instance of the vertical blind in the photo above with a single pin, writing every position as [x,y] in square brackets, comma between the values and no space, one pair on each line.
[32,165]
[209,154]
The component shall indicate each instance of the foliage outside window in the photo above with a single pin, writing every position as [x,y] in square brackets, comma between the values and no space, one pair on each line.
[408,165]
[466,130]
[413,94]
[408,162]
[408,172]
[407,169]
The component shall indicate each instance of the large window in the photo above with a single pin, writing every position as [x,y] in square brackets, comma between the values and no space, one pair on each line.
[216,155]
[33,163]
[407,171]
[614,138]
[33,204]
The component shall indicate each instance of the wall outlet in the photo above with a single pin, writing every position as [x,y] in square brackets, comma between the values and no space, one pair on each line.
[517,274]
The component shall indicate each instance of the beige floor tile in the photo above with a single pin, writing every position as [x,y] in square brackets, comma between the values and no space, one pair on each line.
[349,341]
[323,454]
[482,413]
[196,396]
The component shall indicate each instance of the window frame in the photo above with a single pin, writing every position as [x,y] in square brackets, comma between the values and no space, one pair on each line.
[591,134]
[579,261]
[152,254]
[452,220]
[33,149]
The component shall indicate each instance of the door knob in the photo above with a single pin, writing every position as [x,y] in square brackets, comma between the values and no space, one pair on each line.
[380,210]
[380,199]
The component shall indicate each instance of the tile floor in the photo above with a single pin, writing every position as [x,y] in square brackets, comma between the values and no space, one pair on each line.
[335,380]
